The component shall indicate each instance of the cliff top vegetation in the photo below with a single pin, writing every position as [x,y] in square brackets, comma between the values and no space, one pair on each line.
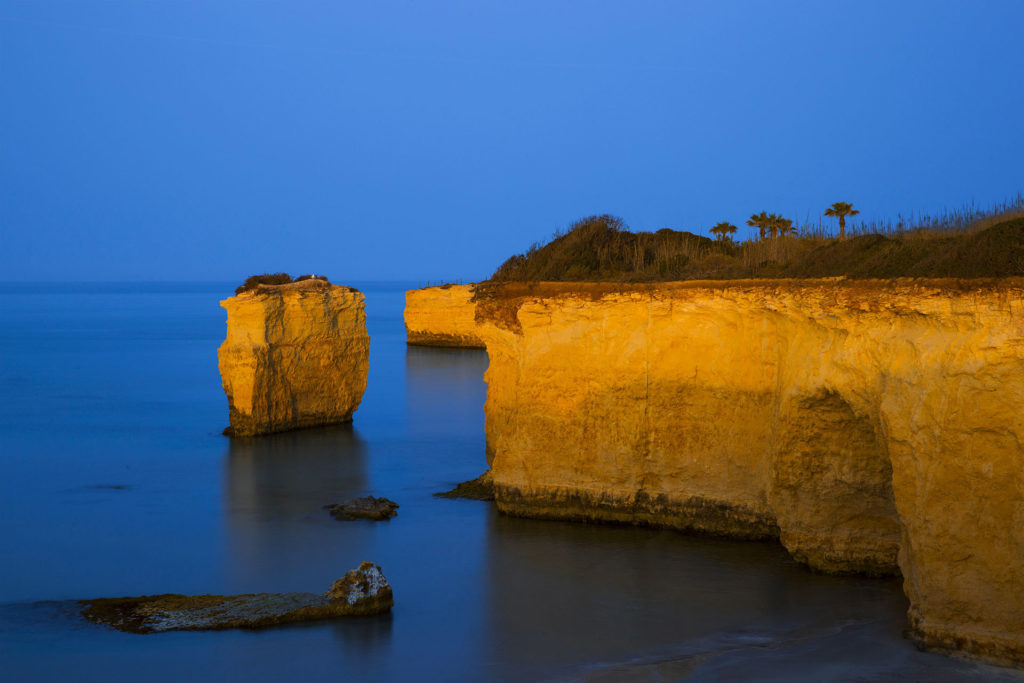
[966,243]
[255,281]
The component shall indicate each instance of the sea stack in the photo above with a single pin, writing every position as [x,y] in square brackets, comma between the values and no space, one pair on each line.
[442,316]
[296,355]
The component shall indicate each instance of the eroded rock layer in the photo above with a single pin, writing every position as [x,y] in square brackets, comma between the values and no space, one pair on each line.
[442,316]
[872,426]
[295,355]
[361,592]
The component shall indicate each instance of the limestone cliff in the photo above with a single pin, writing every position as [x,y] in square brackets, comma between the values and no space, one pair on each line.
[295,355]
[442,316]
[872,426]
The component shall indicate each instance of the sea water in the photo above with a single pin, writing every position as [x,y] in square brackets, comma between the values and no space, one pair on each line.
[115,480]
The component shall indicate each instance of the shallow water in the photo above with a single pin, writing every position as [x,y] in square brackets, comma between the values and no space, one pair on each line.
[115,480]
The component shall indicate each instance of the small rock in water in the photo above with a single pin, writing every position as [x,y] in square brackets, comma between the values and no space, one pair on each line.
[361,592]
[363,589]
[376,509]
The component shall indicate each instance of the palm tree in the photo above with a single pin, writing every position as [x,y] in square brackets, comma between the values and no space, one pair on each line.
[723,230]
[759,221]
[841,210]
[786,226]
[777,225]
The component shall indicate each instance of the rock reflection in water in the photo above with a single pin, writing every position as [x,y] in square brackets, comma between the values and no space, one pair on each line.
[275,489]
[442,385]
[366,645]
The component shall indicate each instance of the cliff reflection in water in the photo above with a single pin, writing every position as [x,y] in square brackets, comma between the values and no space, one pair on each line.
[445,391]
[275,487]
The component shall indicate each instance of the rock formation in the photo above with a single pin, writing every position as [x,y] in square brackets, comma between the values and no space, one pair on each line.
[481,488]
[872,426]
[367,507]
[361,592]
[441,316]
[296,355]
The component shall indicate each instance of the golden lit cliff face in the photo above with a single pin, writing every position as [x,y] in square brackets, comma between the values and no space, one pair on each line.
[441,316]
[295,356]
[870,426]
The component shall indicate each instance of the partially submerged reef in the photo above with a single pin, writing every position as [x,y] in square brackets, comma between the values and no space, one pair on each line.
[872,426]
[361,592]
[369,507]
[481,488]
[296,355]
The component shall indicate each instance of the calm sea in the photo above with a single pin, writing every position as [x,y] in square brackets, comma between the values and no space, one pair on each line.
[115,480]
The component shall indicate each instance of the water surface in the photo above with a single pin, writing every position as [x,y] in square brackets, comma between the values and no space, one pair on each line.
[115,480]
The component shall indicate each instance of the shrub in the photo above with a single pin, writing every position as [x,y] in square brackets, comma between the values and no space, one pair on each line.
[601,248]
[966,244]
[254,281]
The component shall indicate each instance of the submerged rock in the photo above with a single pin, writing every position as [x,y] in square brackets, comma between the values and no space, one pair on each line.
[362,592]
[481,488]
[368,507]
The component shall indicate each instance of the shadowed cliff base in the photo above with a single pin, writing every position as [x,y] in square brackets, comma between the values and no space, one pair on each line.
[601,248]
[481,488]
[936,637]
[696,514]
[243,426]
[439,339]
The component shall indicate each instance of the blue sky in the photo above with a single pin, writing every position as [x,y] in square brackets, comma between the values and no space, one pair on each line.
[204,139]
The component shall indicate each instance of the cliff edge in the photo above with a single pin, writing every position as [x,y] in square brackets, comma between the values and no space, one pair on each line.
[296,355]
[872,426]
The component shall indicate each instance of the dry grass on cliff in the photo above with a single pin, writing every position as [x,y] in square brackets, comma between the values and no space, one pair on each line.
[966,243]
[254,281]
[968,218]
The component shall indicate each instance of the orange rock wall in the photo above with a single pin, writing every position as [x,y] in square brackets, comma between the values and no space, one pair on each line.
[870,426]
[295,356]
[442,316]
